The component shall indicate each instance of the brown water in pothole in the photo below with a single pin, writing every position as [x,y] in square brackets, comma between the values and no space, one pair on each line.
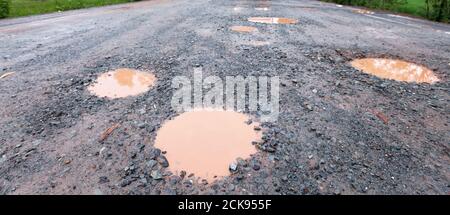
[395,69]
[122,83]
[361,11]
[272,20]
[243,29]
[206,142]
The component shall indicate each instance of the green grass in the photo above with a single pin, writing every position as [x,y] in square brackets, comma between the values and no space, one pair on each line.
[413,7]
[32,7]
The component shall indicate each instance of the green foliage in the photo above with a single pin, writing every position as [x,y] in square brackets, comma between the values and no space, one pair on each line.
[4,8]
[437,10]
[32,7]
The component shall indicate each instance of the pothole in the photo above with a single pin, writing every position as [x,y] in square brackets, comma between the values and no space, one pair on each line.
[398,70]
[362,11]
[272,20]
[122,83]
[243,29]
[206,142]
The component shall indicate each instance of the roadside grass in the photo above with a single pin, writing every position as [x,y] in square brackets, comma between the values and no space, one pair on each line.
[416,8]
[33,7]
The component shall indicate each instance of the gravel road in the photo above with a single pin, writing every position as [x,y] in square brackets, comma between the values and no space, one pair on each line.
[329,137]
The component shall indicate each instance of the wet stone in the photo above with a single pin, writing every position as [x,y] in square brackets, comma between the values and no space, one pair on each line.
[156,175]
[163,161]
[151,163]
[233,167]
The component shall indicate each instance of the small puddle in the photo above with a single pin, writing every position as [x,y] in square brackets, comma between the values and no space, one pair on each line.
[243,29]
[272,20]
[361,11]
[122,83]
[205,142]
[395,69]
[262,9]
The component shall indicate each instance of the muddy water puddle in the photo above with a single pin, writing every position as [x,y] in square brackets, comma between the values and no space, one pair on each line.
[361,11]
[398,70]
[256,43]
[122,83]
[272,20]
[243,29]
[206,142]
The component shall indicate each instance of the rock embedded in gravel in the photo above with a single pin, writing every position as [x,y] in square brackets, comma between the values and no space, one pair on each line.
[233,167]
[125,183]
[154,153]
[103,179]
[156,175]
[313,164]
[151,163]
[3,159]
[163,161]
[270,149]
[182,173]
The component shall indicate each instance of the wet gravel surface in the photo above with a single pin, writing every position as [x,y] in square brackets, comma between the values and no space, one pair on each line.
[339,131]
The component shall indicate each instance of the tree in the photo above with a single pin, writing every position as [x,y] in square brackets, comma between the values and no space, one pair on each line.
[4,8]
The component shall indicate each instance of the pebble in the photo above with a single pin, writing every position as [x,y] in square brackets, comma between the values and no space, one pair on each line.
[3,159]
[233,167]
[163,161]
[151,163]
[155,174]
[125,183]
[182,173]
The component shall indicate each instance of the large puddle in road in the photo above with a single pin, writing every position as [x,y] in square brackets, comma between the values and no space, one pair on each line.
[122,83]
[395,69]
[272,20]
[243,29]
[206,142]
